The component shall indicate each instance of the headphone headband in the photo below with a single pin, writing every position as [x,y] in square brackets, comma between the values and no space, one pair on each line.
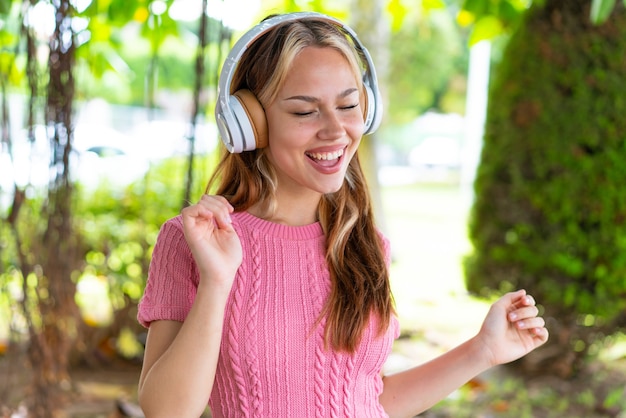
[238,136]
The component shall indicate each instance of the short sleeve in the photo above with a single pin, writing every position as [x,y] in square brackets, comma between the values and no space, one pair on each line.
[172,277]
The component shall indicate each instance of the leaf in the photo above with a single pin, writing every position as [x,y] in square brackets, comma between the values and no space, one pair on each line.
[485,28]
[5,7]
[613,398]
[398,12]
[476,7]
[433,4]
[465,18]
[600,10]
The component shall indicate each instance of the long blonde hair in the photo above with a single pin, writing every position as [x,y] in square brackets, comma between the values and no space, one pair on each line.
[354,249]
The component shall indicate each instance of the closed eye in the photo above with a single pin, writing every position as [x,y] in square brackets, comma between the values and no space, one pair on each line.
[349,107]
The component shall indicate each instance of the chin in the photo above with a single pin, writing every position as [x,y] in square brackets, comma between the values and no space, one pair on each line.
[332,189]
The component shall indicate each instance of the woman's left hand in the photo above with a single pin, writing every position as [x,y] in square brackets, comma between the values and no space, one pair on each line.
[512,328]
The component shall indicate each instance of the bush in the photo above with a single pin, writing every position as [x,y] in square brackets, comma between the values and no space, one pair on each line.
[550,209]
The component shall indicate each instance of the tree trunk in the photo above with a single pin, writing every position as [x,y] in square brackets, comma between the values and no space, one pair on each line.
[51,340]
[197,106]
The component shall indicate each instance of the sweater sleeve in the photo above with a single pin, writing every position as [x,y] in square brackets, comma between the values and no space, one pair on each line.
[386,246]
[172,277]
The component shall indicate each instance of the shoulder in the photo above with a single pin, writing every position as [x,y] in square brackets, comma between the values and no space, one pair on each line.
[175,223]
[172,227]
[171,237]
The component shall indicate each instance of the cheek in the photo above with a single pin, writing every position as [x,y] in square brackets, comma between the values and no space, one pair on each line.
[282,154]
[356,126]
[354,145]
[286,134]
[352,150]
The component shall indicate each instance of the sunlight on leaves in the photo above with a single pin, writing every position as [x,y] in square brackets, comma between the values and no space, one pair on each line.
[600,10]
[465,18]
[486,28]
[128,345]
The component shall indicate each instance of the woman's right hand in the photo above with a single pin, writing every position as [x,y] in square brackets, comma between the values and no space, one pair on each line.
[212,239]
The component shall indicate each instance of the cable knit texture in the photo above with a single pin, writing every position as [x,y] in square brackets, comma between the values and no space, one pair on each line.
[273,362]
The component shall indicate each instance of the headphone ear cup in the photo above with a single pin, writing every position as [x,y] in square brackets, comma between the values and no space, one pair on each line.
[367,106]
[251,117]
[370,112]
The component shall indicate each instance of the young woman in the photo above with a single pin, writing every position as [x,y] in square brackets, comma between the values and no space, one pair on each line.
[271,297]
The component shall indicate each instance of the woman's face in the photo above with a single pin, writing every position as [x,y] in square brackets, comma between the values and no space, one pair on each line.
[315,123]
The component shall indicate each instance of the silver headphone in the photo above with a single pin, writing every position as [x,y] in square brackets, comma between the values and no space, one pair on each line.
[240,117]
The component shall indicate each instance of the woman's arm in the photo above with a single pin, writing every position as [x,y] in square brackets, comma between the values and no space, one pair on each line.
[180,359]
[511,330]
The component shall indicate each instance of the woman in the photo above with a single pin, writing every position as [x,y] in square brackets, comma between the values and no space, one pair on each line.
[271,298]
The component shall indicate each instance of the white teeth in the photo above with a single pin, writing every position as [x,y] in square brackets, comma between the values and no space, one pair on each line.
[326,155]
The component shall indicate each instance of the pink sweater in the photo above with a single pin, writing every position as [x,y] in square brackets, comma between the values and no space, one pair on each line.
[272,359]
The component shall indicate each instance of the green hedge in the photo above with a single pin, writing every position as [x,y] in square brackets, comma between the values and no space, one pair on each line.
[550,208]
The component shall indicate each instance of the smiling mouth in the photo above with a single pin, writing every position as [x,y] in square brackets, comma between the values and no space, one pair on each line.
[325,156]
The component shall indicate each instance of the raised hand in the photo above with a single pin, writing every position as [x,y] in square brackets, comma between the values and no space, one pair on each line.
[212,239]
[512,328]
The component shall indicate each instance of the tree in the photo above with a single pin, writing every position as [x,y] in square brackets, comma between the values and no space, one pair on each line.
[427,56]
[56,248]
[49,253]
[549,214]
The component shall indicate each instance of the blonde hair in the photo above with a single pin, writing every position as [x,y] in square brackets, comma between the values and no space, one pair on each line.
[354,249]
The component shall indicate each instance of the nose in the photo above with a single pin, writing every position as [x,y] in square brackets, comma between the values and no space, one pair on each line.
[331,126]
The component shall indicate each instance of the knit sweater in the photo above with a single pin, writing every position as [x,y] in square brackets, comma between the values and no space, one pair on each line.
[273,361]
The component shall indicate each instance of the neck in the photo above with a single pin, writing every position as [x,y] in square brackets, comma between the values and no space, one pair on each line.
[292,212]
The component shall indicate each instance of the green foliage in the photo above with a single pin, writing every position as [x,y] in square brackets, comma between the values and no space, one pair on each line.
[492,18]
[550,212]
[427,54]
[601,10]
[117,228]
[500,395]
[19,258]
[5,6]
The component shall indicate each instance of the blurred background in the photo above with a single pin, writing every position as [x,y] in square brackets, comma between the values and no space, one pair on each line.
[499,165]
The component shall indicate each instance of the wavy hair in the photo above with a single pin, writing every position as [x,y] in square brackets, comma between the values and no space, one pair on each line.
[355,252]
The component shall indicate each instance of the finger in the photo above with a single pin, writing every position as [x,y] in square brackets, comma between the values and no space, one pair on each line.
[522,301]
[523,313]
[226,202]
[196,216]
[220,208]
[515,297]
[218,201]
[541,333]
[530,323]
[196,211]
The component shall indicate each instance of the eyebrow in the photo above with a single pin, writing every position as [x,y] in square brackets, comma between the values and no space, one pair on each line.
[312,99]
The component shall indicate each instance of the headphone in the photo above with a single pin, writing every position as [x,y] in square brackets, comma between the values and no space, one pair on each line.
[240,117]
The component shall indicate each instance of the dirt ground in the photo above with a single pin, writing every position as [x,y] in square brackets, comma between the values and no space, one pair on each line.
[106,392]
[110,392]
